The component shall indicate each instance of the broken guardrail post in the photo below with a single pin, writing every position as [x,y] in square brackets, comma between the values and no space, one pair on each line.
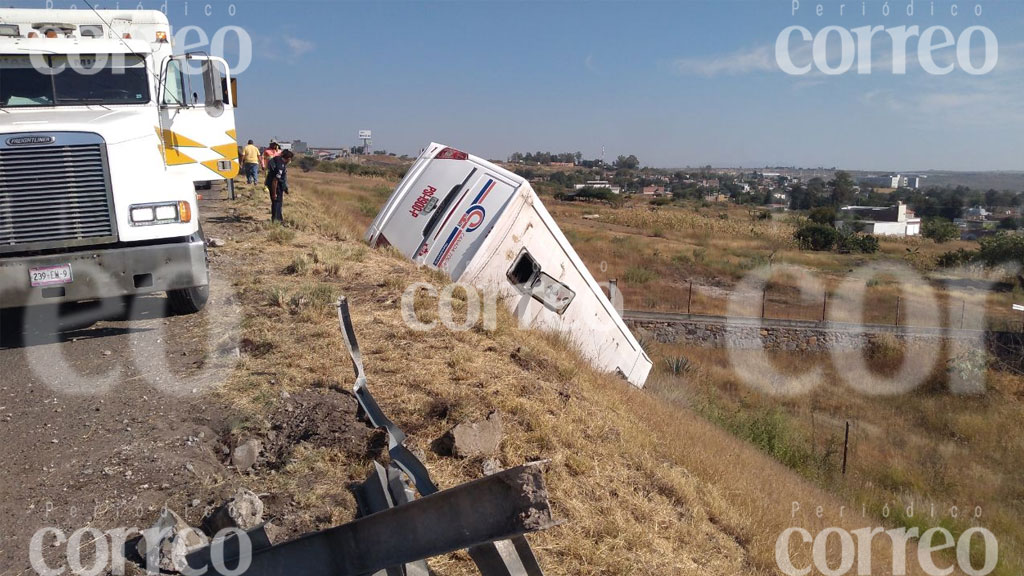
[506,558]
[494,508]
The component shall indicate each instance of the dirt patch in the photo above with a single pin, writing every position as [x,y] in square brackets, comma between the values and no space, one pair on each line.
[321,419]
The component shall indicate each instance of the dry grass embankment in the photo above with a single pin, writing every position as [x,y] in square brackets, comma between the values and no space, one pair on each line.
[930,448]
[644,486]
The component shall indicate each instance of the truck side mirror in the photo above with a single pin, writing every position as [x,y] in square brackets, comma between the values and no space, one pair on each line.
[213,88]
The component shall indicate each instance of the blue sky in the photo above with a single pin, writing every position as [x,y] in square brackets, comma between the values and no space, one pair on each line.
[676,83]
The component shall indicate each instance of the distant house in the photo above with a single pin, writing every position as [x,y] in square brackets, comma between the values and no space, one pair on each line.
[893,181]
[879,220]
[976,214]
[654,191]
[600,184]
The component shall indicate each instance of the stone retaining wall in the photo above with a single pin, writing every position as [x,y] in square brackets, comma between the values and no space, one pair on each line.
[722,335]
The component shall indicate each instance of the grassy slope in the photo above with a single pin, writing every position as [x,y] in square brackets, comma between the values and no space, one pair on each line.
[926,448]
[644,486]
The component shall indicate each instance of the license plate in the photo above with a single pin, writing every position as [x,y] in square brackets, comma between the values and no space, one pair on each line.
[51,275]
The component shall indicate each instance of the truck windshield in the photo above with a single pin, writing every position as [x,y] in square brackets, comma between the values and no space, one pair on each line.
[76,80]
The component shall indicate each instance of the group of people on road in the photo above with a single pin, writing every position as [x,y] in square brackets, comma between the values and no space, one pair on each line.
[274,162]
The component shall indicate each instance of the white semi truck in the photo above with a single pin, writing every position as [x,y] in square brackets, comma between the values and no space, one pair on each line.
[103,134]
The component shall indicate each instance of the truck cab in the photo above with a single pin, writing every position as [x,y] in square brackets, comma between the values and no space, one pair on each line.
[103,133]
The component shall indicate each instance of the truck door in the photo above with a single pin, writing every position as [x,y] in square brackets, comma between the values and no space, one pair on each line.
[197,118]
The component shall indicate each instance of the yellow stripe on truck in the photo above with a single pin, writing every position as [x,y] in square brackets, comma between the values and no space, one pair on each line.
[175,140]
[175,157]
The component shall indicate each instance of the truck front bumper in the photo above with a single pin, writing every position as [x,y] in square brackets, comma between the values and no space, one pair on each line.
[106,273]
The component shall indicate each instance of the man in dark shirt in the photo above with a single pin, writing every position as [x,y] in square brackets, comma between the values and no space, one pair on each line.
[277,183]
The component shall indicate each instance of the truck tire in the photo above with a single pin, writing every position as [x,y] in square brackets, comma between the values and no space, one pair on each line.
[191,300]
[188,300]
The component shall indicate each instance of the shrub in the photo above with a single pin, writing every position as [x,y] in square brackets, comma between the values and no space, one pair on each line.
[639,275]
[1002,248]
[280,235]
[816,237]
[868,244]
[300,265]
[823,215]
[940,230]
[277,297]
[677,365]
[954,258]
[308,163]
[860,243]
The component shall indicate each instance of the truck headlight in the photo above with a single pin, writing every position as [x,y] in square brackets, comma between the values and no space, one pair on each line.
[160,213]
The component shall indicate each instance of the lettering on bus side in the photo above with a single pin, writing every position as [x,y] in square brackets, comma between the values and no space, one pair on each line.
[421,202]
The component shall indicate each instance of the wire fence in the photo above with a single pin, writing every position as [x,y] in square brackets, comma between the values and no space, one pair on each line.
[923,308]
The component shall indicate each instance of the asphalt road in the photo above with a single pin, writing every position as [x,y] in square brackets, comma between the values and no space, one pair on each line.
[104,417]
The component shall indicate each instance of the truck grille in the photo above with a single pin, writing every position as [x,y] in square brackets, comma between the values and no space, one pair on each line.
[54,192]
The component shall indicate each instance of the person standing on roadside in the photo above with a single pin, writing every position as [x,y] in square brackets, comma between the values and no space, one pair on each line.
[251,163]
[277,183]
[272,151]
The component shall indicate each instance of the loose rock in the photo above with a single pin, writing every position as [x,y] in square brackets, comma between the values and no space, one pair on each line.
[476,438]
[245,455]
[244,511]
[169,541]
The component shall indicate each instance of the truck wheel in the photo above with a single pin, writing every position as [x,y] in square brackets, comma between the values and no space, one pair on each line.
[188,300]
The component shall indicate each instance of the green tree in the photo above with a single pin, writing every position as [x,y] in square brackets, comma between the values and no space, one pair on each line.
[1002,248]
[842,188]
[630,162]
[1010,223]
[818,237]
[823,215]
[940,230]
[816,187]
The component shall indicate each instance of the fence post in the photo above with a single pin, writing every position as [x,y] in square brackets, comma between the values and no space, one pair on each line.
[689,298]
[764,296]
[824,305]
[897,310]
[963,310]
[846,445]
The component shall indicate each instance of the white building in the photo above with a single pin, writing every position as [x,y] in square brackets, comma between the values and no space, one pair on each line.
[894,181]
[600,184]
[879,220]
